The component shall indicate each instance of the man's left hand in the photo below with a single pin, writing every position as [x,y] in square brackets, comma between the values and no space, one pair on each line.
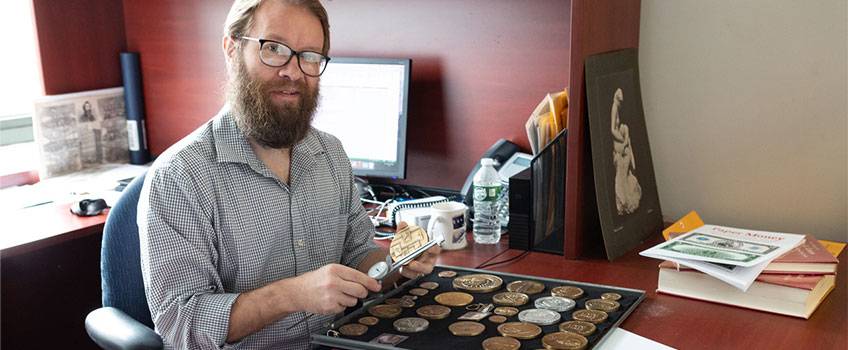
[423,264]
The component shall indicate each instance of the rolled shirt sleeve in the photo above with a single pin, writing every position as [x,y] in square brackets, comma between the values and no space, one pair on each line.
[179,257]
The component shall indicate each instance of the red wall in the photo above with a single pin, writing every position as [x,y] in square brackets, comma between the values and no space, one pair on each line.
[479,68]
[79,42]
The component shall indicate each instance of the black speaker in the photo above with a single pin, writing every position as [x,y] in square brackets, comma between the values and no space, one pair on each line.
[520,210]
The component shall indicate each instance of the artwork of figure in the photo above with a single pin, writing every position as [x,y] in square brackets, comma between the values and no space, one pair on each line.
[627,189]
[87,113]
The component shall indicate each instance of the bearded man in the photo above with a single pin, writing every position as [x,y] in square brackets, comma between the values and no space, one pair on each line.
[252,233]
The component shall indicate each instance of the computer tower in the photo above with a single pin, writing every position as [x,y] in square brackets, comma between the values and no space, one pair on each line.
[520,210]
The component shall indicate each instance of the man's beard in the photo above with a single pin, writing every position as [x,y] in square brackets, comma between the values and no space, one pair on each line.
[259,119]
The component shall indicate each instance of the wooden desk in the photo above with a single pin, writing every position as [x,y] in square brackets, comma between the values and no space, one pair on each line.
[50,277]
[690,324]
[30,229]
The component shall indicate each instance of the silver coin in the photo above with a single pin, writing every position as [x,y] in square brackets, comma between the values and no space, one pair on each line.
[542,317]
[411,324]
[558,304]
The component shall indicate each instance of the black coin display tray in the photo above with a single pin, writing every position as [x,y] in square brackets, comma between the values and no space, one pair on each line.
[437,336]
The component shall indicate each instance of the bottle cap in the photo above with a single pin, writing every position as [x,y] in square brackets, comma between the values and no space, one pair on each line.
[487,161]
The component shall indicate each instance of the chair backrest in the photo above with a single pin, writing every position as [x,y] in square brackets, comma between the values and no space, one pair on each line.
[120,263]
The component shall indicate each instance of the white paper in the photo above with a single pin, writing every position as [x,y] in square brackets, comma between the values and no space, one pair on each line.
[738,276]
[621,339]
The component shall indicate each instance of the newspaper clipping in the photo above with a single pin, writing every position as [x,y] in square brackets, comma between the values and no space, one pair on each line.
[80,130]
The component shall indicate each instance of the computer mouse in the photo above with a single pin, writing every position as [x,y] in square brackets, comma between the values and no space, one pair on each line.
[89,207]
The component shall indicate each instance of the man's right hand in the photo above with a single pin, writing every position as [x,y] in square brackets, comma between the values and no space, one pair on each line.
[332,288]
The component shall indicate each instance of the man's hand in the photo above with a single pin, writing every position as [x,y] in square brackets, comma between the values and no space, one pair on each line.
[332,288]
[423,264]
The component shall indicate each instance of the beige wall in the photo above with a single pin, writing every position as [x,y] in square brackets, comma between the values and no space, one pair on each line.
[747,111]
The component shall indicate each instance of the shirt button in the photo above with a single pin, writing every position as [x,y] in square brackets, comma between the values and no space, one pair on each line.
[300,242]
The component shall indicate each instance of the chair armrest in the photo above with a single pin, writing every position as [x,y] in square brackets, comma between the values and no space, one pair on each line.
[111,328]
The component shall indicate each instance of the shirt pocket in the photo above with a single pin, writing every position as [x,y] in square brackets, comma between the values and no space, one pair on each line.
[329,239]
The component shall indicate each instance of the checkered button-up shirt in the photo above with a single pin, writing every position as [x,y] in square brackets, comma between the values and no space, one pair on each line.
[214,221]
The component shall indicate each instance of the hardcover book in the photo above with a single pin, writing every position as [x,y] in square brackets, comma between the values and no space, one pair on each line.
[797,296]
[810,257]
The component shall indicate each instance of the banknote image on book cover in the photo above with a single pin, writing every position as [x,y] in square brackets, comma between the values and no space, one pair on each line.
[461,308]
[626,190]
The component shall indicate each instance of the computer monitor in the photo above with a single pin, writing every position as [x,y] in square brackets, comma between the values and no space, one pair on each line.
[363,102]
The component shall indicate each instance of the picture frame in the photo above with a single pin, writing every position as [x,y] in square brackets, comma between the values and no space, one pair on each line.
[627,199]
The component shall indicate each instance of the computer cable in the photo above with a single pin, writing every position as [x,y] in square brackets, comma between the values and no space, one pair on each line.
[486,263]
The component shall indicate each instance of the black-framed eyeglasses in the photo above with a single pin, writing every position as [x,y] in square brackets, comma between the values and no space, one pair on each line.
[276,54]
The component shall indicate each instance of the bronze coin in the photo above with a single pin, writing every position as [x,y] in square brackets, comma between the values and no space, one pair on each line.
[402,302]
[519,330]
[580,327]
[507,311]
[611,296]
[384,311]
[497,319]
[420,292]
[593,316]
[447,274]
[410,297]
[433,312]
[564,341]
[478,283]
[454,298]
[567,292]
[369,320]
[466,328]
[510,298]
[501,343]
[526,287]
[353,329]
[411,324]
[602,305]
[429,285]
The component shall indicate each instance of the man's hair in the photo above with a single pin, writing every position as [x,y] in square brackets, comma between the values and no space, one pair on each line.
[240,18]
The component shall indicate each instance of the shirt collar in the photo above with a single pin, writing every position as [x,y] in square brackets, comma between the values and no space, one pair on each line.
[232,146]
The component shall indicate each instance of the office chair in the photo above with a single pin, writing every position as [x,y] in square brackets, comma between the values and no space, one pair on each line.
[124,320]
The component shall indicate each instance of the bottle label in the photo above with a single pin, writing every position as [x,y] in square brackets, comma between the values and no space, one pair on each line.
[486,193]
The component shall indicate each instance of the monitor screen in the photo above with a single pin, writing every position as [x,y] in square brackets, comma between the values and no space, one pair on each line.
[363,103]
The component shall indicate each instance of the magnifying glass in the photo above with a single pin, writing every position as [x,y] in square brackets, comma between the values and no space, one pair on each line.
[381,269]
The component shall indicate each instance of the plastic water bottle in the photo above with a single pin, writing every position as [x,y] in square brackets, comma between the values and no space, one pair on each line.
[487,191]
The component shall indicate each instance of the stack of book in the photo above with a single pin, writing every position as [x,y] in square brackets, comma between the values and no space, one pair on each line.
[794,284]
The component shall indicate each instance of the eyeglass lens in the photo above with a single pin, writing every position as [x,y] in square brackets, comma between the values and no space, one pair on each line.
[277,55]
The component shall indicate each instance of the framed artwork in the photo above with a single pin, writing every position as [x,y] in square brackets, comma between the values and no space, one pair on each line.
[80,130]
[625,186]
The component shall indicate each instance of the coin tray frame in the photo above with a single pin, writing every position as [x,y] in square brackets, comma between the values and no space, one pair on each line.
[437,336]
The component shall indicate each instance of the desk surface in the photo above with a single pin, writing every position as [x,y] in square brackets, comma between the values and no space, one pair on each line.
[34,228]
